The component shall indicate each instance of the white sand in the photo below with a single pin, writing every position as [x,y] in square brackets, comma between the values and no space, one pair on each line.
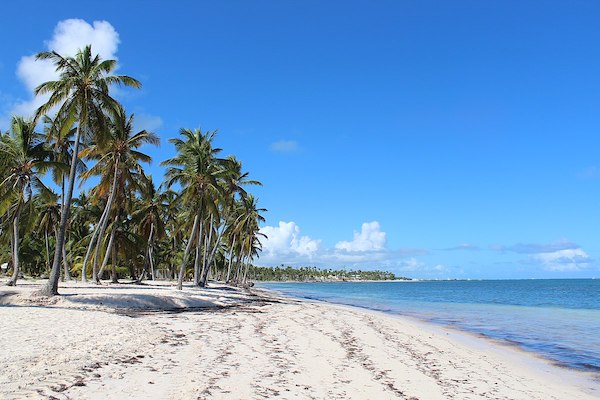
[249,347]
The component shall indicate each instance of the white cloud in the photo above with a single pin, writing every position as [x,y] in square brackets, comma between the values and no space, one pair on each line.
[285,244]
[337,257]
[370,238]
[559,256]
[564,260]
[147,121]
[464,246]
[411,265]
[69,36]
[72,34]
[535,248]
[284,146]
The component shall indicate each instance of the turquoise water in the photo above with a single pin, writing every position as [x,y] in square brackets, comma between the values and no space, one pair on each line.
[558,319]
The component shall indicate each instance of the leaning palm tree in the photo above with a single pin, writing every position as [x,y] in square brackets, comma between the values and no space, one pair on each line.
[118,164]
[60,135]
[235,179]
[47,222]
[24,159]
[82,95]
[168,250]
[150,221]
[247,227]
[234,182]
[84,215]
[198,170]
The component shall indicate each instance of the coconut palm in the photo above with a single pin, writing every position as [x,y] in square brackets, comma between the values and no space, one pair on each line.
[149,216]
[198,170]
[48,219]
[212,240]
[235,180]
[84,214]
[82,96]
[168,251]
[249,233]
[232,184]
[118,165]
[60,134]
[24,160]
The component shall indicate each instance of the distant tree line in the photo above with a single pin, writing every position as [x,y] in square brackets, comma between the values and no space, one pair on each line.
[313,274]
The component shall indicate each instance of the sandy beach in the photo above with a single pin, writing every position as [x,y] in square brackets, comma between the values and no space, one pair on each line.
[153,342]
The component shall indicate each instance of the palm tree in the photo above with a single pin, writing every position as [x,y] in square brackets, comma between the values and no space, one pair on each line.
[235,181]
[197,169]
[118,164]
[24,160]
[247,227]
[82,95]
[149,216]
[48,218]
[83,215]
[169,251]
[60,135]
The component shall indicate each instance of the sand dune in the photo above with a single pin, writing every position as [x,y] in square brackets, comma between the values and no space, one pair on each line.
[120,343]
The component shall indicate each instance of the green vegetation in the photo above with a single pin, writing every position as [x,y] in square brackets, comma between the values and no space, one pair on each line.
[199,223]
[313,274]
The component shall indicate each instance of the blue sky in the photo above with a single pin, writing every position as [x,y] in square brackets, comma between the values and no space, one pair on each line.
[434,139]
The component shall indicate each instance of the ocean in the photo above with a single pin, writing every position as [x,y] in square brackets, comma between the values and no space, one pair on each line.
[558,319]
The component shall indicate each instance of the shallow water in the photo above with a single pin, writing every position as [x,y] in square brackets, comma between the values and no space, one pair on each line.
[558,319]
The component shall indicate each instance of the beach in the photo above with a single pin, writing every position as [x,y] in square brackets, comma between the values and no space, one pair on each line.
[152,341]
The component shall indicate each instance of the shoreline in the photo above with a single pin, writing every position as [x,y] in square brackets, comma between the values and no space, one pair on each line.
[472,339]
[493,328]
[227,343]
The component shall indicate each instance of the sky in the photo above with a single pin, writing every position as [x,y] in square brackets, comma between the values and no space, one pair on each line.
[432,139]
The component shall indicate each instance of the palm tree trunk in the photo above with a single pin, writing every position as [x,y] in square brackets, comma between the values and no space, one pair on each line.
[114,278]
[151,258]
[171,259]
[47,250]
[91,244]
[67,275]
[108,251]
[206,247]
[247,266]
[148,259]
[150,246]
[15,258]
[142,275]
[238,262]
[51,287]
[230,258]
[187,251]
[104,223]
[197,260]
[198,254]
[211,257]
[62,192]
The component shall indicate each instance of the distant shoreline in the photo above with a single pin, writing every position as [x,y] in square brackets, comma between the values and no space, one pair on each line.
[339,281]
[426,280]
